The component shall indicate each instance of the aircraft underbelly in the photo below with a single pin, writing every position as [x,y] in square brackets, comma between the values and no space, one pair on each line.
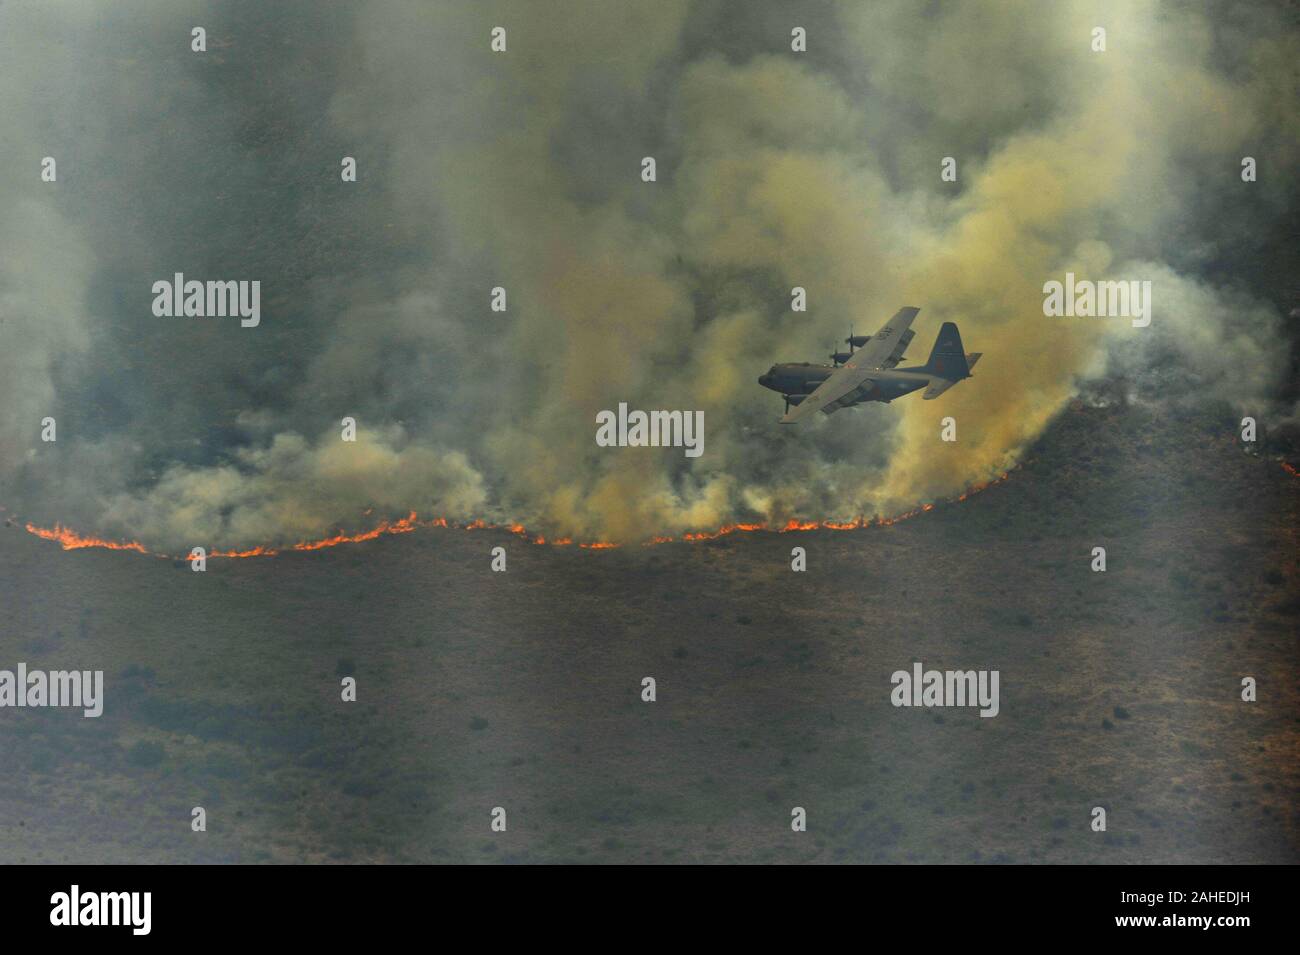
[885,390]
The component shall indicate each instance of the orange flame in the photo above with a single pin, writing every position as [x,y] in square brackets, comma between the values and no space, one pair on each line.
[795,525]
[403,526]
[253,552]
[71,540]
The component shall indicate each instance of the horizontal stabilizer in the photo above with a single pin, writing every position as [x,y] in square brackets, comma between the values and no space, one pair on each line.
[937,387]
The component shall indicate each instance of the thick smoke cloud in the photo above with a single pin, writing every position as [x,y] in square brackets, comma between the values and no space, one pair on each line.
[521,170]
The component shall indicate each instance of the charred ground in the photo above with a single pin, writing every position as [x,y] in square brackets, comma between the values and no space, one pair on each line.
[521,689]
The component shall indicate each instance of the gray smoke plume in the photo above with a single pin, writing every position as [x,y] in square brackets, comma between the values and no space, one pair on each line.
[522,170]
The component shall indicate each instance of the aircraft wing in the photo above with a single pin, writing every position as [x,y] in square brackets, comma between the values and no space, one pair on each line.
[896,355]
[870,357]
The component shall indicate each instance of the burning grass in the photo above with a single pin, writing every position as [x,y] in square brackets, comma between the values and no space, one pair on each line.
[69,539]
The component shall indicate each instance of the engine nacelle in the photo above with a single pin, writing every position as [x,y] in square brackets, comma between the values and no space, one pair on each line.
[795,399]
[857,341]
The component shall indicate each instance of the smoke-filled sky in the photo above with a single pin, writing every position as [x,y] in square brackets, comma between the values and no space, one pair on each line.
[522,169]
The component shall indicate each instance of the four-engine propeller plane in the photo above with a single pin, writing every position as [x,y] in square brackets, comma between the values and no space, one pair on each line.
[870,372]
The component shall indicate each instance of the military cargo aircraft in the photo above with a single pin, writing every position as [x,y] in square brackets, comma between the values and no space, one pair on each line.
[870,372]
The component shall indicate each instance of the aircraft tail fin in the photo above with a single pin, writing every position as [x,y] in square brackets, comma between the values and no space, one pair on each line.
[947,357]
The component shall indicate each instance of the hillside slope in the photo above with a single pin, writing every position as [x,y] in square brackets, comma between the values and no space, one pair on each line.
[522,690]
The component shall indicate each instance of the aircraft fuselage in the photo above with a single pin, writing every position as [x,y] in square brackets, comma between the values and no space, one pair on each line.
[802,378]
